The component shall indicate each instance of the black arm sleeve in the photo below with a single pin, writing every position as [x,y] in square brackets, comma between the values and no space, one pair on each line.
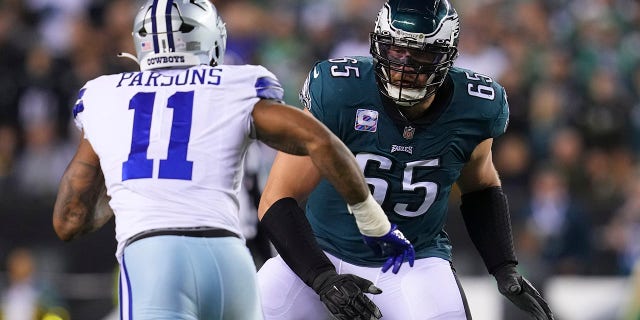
[291,234]
[486,216]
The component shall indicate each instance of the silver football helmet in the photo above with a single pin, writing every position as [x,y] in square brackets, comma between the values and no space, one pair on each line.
[414,44]
[178,33]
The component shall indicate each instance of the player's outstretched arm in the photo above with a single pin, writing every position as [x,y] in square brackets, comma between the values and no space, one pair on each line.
[293,131]
[82,203]
[299,133]
[485,212]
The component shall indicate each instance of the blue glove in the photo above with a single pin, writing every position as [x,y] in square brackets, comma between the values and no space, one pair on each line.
[394,245]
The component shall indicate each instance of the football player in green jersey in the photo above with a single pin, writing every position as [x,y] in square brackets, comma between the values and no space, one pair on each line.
[416,126]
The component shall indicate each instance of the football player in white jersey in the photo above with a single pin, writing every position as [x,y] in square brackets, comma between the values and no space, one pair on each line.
[163,151]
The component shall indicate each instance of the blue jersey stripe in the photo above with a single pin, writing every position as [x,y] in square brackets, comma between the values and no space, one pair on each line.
[269,88]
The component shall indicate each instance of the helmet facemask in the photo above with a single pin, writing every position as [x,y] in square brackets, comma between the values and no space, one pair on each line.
[410,65]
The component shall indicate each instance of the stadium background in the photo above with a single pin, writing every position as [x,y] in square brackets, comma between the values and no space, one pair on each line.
[569,161]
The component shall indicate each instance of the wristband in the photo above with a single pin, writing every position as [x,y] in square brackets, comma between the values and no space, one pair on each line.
[370,218]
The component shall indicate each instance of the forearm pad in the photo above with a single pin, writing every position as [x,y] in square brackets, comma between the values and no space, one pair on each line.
[486,216]
[291,234]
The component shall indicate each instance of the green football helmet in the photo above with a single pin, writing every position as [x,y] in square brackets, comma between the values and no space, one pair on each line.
[414,44]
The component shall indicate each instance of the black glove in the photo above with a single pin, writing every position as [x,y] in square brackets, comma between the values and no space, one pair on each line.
[343,295]
[520,291]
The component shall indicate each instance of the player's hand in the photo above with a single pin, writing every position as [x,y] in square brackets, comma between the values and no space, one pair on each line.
[394,245]
[343,295]
[520,291]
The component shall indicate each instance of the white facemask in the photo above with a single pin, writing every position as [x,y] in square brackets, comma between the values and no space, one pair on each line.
[407,94]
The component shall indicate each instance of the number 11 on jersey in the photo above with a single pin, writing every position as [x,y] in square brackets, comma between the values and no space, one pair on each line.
[176,166]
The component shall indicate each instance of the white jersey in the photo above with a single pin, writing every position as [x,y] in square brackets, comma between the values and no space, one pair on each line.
[172,143]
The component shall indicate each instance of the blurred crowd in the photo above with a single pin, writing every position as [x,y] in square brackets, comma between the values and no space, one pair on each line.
[569,161]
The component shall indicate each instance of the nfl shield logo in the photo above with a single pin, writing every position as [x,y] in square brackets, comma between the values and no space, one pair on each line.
[366,120]
[408,132]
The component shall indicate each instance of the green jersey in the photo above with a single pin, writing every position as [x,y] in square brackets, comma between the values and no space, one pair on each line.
[409,166]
